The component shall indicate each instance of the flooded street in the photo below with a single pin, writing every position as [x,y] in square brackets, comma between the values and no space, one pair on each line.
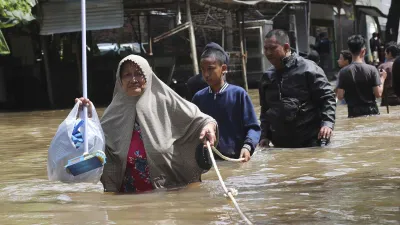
[356,180]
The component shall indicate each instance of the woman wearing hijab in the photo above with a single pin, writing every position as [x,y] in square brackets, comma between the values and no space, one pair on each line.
[151,133]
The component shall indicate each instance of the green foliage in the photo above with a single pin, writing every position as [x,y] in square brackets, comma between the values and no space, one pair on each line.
[4,50]
[13,12]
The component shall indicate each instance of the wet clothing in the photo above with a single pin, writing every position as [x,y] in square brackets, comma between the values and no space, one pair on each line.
[295,103]
[170,128]
[137,176]
[358,81]
[396,76]
[234,112]
[389,97]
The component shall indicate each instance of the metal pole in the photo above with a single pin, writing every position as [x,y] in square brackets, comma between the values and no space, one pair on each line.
[84,75]
[150,36]
[308,11]
[292,18]
[192,39]
[242,54]
[178,13]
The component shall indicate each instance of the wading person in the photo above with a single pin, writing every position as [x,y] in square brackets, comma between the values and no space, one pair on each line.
[297,101]
[389,97]
[345,59]
[151,133]
[239,130]
[359,83]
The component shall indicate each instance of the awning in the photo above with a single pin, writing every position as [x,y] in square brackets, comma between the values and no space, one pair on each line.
[250,2]
[370,11]
[65,16]
[255,2]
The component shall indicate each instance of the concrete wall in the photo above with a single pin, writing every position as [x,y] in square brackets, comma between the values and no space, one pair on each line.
[302,34]
[323,12]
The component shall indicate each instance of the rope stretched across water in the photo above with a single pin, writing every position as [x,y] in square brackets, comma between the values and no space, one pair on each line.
[227,192]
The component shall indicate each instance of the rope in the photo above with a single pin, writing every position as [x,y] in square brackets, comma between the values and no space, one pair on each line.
[231,191]
[224,157]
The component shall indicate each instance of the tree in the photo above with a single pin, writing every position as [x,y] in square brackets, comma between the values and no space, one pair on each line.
[392,24]
[13,12]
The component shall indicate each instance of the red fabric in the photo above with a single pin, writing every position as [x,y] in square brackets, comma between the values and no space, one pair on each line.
[137,178]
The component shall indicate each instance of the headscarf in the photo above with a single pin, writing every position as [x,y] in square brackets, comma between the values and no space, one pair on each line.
[170,128]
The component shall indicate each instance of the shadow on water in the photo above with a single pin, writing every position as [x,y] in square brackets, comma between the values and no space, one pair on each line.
[356,180]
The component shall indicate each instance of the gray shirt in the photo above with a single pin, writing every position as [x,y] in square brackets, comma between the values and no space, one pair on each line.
[358,81]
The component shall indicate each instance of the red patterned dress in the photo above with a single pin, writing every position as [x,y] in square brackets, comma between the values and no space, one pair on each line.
[137,178]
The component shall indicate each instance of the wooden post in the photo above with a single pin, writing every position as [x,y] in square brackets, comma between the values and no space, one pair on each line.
[223,38]
[192,39]
[229,32]
[240,17]
[43,40]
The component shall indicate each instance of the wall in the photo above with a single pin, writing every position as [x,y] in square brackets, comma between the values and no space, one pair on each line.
[323,12]
[302,34]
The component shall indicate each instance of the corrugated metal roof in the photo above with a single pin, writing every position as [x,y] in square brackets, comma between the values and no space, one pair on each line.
[65,16]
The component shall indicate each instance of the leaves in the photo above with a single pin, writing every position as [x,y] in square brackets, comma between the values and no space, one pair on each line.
[4,50]
[13,12]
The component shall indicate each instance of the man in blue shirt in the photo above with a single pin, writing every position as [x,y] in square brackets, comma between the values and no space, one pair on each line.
[229,105]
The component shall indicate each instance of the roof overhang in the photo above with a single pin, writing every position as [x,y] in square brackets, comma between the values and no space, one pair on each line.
[370,11]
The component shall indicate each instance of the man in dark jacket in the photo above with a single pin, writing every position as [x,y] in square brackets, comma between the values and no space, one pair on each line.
[195,84]
[396,76]
[297,101]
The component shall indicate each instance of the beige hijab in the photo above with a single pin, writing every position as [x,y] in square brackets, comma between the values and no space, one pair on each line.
[170,128]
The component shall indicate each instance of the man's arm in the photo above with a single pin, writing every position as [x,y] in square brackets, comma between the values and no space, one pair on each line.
[340,94]
[378,81]
[324,96]
[250,124]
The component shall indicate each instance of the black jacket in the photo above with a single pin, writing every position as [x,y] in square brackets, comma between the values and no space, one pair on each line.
[396,76]
[295,103]
[195,84]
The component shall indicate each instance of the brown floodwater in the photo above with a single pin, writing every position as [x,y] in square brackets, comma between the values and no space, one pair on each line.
[356,180]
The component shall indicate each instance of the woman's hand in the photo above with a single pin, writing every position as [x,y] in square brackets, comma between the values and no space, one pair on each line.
[208,134]
[87,102]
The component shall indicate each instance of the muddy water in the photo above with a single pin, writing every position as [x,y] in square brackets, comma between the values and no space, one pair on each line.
[354,181]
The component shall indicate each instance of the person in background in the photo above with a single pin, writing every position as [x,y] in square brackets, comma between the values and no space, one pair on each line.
[359,83]
[195,84]
[229,105]
[389,97]
[297,101]
[344,60]
[375,46]
[396,76]
[324,49]
[313,55]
